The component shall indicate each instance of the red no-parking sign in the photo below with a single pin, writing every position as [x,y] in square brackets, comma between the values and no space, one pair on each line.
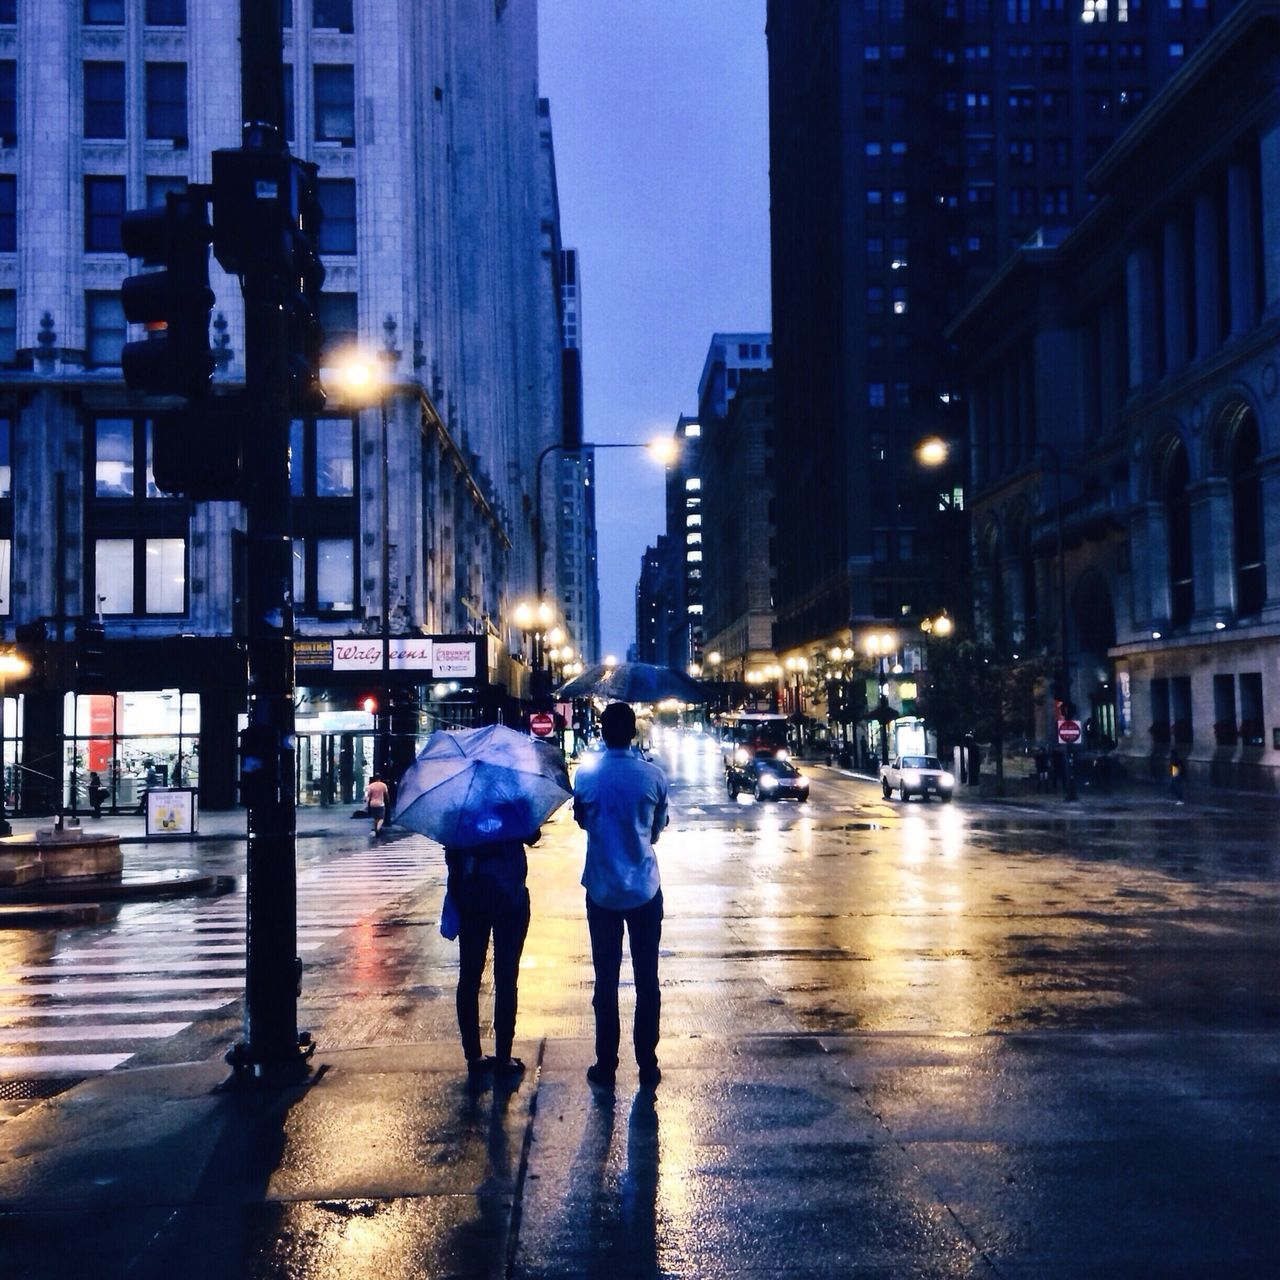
[542,724]
[1068,731]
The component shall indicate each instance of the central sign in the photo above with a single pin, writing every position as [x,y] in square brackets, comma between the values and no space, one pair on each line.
[1068,731]
[542,724]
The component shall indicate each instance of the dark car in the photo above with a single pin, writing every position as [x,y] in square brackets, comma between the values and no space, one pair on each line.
[767,778]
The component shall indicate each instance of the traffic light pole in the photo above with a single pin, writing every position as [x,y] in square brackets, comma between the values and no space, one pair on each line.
[270,1051]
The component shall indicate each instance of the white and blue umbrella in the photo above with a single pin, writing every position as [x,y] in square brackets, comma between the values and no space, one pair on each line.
[475,786]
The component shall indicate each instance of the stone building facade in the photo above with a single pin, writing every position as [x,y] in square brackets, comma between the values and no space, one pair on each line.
[437,183]
[1124,401]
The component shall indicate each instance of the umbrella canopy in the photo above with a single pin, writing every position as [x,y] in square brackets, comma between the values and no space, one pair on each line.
[474,786]
[634,682]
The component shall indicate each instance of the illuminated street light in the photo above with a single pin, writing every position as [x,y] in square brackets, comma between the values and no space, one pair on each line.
[933,451]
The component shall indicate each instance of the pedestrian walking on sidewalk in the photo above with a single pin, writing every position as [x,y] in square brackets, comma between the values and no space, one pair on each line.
[487,897]
[1177,777]
[375,802]
[622,806]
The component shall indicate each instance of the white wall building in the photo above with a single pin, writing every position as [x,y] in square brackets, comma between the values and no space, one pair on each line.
[438,190]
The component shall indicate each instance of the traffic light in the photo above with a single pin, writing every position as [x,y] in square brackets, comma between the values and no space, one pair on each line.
[266,221]
[91,658]
[199,451]
[306,274]
[174,302]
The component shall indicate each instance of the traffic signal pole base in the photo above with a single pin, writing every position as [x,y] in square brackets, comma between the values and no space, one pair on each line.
[279,1071]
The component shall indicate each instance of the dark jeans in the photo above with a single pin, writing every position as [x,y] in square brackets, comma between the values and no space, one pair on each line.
[508,925]
[644,931]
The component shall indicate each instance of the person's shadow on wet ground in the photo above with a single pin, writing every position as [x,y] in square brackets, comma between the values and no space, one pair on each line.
[615,1210]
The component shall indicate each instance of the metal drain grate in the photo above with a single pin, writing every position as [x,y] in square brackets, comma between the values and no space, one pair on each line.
[32,1090]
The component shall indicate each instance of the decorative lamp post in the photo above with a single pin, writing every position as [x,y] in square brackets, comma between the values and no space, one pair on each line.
[880,645]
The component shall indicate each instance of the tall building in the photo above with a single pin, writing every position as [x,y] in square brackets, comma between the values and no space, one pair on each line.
[578,585]
[1127,506]
[437,184]
[685,558]
[912,148]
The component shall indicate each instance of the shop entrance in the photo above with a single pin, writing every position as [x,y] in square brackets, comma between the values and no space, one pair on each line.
[334,768]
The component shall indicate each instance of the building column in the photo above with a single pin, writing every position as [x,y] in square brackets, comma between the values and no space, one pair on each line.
[1269,180]
[1211,558]
[1207,282]
[1241,258]
[1174,267]
[1270,484]
[1149,557]
[1140,304]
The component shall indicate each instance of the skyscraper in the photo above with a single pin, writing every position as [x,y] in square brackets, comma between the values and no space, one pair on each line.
[913,146]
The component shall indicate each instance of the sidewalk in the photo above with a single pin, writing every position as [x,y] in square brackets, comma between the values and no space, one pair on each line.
[787,1155]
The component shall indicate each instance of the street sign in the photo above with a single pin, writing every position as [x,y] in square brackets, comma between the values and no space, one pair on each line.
[542,724]
[1068,731]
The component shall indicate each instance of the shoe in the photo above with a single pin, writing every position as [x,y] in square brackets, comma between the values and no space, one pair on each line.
[507,1068]
[649,1076]
[479,1066]
[600,1076]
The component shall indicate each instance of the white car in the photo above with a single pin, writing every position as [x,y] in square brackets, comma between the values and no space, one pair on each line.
[916,776]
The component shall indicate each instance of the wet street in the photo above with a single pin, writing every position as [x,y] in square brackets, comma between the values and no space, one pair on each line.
[979,1036]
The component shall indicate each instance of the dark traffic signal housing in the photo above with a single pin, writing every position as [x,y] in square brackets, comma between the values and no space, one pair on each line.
[91,658]
[266,220]
[173,302]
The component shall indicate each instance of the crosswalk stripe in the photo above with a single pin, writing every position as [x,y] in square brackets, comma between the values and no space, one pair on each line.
[148,1007]
[102,1031]
[69,990]
[127,966]
[70,1064]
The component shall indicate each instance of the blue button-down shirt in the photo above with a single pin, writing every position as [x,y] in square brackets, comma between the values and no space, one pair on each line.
[622,805]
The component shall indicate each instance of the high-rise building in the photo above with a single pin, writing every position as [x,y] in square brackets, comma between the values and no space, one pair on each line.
[577,586]
[684,516]
[436,179]
[913,147]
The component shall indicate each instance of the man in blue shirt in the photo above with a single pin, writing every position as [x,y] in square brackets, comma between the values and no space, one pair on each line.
[622,806]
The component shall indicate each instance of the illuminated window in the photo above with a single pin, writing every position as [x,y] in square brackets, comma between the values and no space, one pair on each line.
[692,430]
[693,483]
[694,557]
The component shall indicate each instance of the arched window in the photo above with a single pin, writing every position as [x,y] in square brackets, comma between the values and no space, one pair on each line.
[1246,519]
[1177,508]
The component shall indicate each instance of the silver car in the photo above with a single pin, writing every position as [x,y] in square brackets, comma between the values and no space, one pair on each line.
[916,776]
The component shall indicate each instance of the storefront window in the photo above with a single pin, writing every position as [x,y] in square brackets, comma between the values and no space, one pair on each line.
[132,741]
[12,720]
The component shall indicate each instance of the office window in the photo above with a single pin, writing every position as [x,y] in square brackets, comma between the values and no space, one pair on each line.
[876,395]
[335,104]
[874,153]
[8,12]
[875,196]
[338,203]
[1177,53]
[1022,153]
[104,13]
[166,13]
[871,53]
[8,103]
[875,300]
[104,203]
[166,575]
[159,187]
[338,316]
[875,252]
[977,106]
[104,328]
[8,213]
[1055,104]
[113,453]
[333,14]
[8,326]
[167,101]
[104,99]
[113,575]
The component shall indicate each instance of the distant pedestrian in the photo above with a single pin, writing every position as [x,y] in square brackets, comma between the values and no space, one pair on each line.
[1177,777]
[622,806]
[1042,770]
[97,794]
[375,802]
[487,897]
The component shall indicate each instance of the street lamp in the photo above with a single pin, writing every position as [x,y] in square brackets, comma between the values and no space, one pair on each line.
[662,449]
[362,382]
[879,645]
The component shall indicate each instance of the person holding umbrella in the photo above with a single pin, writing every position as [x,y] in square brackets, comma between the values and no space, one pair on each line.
[622,805]
[484,794]
[488,894]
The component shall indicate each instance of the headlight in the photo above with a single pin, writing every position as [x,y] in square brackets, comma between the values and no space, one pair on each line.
[948,780]
[784,754]
[741,756]
[768,782]
[911,777]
